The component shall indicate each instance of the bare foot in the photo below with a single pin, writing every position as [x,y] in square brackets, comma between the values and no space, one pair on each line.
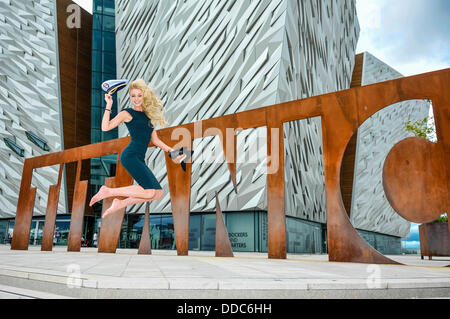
[115,206]
[102,193]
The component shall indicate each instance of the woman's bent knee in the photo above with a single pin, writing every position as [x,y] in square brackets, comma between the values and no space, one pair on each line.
[155,194]
[150,193]
[159,194]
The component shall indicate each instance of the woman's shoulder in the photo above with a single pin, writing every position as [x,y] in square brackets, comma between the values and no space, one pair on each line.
[128,112]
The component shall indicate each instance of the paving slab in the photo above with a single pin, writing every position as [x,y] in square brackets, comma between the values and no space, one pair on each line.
[163,274]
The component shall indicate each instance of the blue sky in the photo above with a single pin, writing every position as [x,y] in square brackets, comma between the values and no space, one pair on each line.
[412,36]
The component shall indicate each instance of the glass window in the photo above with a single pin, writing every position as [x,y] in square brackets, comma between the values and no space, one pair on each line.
[61,235]
[38,140]
[14,147]
[155,230]
[97,21]
[96,135]
[241,231]
[97,97]
[108,76]
[96,61]
[135,231]
[96,80]
[108,7]
[131,231]
[10,231]
[40,233]
[109,62]
[194,232]
[96,117]
[36,233]
[167,239]
[263,232]
[109,41]
[110,135]
[303,236]
[109,23]
[3,231]
[208,232]
[97,40]
[98,6]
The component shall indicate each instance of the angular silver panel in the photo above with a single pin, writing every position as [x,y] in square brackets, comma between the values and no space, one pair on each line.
[29,98]
[211,58]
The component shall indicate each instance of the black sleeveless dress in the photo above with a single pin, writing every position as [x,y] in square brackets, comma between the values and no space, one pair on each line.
[133,156]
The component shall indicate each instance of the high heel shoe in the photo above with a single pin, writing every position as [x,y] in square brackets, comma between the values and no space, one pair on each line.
[182,151]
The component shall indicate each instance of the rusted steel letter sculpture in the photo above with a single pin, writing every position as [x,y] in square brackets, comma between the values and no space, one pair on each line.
[416,174]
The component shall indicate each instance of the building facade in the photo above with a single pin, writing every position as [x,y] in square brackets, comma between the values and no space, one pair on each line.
[45,67]
[103,69]
[212,58]
[205,59]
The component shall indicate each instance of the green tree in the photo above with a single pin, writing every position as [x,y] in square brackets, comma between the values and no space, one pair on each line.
[422,128]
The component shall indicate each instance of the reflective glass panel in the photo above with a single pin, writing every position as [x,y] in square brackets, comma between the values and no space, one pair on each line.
[61,235]
[303,236]
[208,232]
[194,232]
[109,23]
[167,240]
[3,231]
[241,231]
[109,41]
[96,40]
[108,7]
[97,6]
[155,231]
[97,21]
[96,61]
[109,62]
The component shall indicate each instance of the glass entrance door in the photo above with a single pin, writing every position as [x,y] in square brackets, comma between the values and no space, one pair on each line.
[36,232]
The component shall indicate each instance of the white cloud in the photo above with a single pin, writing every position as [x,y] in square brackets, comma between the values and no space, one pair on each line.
[410,35]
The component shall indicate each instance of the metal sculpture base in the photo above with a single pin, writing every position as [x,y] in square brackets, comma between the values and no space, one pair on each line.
[145,246]
[223,245]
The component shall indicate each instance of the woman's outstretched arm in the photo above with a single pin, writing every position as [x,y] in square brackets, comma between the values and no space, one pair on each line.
[107,124]
[158,143]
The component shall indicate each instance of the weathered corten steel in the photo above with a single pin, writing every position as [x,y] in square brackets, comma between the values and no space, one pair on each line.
[434,240]
[223,245]
[145,247]
[112,223]
[180,197]
[415,165]
[27,194]
[76,221]
[342,113]
[50,216]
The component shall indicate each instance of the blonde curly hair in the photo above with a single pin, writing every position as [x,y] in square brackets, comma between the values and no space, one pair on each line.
[152,105]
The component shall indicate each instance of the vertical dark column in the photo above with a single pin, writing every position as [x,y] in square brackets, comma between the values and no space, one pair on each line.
[348,161]
[75,46]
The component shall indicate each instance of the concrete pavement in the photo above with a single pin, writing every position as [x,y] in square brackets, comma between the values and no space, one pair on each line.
[89,274]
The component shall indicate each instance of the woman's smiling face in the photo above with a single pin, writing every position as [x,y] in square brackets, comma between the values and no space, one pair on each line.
[137,97]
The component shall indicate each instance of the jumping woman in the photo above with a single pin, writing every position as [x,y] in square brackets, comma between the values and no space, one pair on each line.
[141,119]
